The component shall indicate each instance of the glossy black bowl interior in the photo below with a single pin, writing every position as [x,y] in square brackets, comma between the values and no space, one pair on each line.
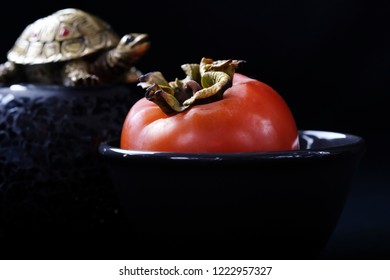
[279,205]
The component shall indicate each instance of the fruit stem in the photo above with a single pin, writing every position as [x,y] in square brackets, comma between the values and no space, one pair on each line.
[204,83]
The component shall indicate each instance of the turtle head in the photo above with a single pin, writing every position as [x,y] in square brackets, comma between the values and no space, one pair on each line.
[121,60]
[133,46]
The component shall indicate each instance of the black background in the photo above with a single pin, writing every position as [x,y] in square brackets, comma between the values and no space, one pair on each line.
[329,59]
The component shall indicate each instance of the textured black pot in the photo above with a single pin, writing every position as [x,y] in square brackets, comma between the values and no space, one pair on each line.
[51,181]
[276,205]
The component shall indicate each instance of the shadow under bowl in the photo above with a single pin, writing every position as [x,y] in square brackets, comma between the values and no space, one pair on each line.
[260,205]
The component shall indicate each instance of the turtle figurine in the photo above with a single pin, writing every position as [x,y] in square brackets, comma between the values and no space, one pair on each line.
[73,48]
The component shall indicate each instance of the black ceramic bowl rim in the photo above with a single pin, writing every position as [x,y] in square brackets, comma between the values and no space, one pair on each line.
[23,87]
[327,144]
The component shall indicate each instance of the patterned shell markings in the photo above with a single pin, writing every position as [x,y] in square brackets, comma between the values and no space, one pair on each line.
[65,35]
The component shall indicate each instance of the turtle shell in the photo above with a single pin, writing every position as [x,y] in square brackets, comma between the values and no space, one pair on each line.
[65,35]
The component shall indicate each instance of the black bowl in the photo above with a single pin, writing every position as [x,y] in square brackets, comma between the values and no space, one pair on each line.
[272,205]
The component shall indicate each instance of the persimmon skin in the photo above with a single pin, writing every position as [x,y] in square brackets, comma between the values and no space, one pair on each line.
[251,117]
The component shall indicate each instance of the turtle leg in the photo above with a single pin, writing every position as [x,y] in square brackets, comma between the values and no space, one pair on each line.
[76,73]
[133,75]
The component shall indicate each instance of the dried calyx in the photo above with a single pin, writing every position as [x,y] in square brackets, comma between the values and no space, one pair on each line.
[204,83]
